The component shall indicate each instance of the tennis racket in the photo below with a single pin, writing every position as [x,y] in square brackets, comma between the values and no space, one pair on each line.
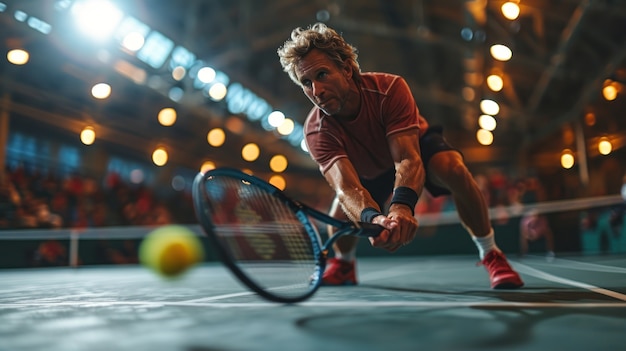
[269,241]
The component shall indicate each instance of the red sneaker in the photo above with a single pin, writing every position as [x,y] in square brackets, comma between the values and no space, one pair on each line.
[339,272]
[501,274]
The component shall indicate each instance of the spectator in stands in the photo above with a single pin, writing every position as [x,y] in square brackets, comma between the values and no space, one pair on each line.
[32,200]
[45,218]
[50,253]
[10,201]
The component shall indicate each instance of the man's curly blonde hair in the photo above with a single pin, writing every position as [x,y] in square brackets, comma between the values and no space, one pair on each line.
[318,36]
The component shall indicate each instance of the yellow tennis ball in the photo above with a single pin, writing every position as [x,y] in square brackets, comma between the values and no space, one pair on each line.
[171,250]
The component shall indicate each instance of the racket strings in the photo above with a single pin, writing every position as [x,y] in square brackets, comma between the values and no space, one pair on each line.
[263,236]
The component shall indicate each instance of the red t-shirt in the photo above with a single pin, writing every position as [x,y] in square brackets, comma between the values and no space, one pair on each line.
[387,107]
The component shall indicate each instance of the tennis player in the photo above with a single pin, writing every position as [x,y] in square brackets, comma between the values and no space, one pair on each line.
[378,153]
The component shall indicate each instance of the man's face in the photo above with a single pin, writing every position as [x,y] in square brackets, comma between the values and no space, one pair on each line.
[325,84]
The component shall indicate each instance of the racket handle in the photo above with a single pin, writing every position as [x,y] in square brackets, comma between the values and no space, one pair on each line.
[360,229]
[368,229]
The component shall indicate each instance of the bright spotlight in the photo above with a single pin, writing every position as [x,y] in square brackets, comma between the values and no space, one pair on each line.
[276,118]
[96,18]
[88,135]
[286,127]
[218,91]
[133,41]
[206,74]
[501,52]
[18,56]
[604,146]
[159,156]
[101,91]
[489,107]
[567,159]
[303,146]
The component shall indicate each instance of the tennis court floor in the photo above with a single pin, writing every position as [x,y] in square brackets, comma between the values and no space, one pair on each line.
[402,303]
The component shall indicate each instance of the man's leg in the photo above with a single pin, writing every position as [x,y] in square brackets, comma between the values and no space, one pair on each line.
[341,270]
[447,169]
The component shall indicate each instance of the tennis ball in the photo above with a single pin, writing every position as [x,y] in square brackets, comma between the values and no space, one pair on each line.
[170,250]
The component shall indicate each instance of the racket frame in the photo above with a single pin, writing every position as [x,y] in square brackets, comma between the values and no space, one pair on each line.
[302,212]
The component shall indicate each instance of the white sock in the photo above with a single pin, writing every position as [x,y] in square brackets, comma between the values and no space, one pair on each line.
[346,256]
[485,244]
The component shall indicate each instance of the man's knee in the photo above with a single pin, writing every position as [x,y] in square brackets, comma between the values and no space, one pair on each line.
[459,177]
[448,168]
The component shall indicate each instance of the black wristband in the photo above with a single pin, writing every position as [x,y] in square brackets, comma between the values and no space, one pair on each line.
[368,214]
[406,196]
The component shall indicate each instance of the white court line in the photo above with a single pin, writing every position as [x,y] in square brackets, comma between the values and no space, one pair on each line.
[334,304]
[247,293]
[220,297]
[522,268]
[582,266]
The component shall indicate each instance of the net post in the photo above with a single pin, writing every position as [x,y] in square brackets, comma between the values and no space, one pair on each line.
[73,248]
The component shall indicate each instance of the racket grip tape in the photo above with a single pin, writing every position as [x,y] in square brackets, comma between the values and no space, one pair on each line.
[368,229]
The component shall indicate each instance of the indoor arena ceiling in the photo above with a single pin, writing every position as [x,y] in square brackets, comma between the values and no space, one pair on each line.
[564,52]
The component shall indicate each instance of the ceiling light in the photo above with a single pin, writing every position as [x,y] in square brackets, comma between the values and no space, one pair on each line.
[604,146]
[96,18]
[567,159]
[87,135]
[286,127]
[250,152]
[207,166]
[303,145]
[276,118]
[206,74]
[167,116]
[133,41]
[489,107]
[610,90]
[501,52]
[484,137]
[178,73]
[278,163]
[487,122]
[216,137]
[159,156]
[278,181]
[495,82]
[101,91]
[217,92]
[510,10]
[18,56]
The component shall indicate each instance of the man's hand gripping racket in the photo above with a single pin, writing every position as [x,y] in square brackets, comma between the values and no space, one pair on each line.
[266,239]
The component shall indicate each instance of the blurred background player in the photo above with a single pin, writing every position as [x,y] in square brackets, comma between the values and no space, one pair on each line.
[534,228]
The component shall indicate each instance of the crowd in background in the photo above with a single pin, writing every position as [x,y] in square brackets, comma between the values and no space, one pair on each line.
[501,192]
[31,200]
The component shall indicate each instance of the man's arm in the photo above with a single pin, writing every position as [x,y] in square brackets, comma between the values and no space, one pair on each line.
[353,197]
[410,173]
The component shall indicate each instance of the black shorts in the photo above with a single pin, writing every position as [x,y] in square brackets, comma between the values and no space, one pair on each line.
[431,143]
